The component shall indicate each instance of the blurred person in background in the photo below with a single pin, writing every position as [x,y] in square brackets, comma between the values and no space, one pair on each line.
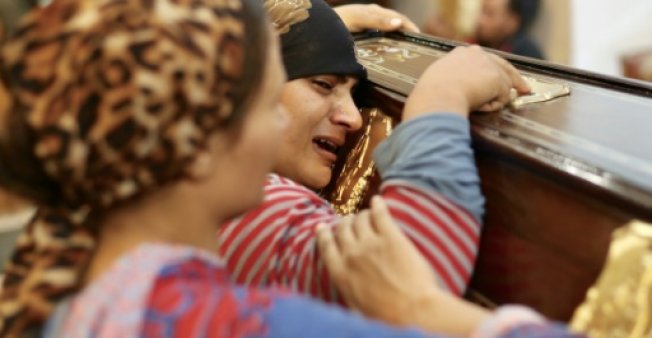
[500,24]
[503,25]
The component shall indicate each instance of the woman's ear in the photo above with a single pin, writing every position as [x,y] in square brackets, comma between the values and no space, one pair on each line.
[202,167]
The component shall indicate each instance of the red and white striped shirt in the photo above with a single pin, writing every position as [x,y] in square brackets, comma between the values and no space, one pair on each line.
[275,244]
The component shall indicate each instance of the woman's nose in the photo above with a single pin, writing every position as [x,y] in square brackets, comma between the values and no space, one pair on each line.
[347,115]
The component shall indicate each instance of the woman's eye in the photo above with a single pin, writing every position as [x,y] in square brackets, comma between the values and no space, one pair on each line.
[323,84]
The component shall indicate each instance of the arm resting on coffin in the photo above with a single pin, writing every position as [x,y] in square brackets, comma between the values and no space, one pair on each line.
[358,17]
[275,244]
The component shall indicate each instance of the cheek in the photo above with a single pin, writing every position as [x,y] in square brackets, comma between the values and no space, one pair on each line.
[315,111]
[299,123]
[263,141]
[305,107]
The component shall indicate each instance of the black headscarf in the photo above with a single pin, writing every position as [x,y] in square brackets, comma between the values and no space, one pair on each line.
[319,45]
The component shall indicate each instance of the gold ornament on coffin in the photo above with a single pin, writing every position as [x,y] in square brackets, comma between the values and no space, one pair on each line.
[353,184]
[542,91]
[619,305]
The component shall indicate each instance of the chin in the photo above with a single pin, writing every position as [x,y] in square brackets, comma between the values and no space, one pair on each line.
[320,179]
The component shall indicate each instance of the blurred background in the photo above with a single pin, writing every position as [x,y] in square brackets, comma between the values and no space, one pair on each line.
[14,212]
[604,36]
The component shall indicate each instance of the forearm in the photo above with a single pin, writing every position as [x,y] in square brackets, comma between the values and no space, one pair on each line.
[443,313]
[440,313]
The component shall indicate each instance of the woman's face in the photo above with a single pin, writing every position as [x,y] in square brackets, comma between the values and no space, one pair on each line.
[248,151]
[321,112]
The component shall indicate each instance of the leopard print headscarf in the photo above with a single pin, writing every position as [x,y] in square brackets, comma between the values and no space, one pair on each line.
[117,97]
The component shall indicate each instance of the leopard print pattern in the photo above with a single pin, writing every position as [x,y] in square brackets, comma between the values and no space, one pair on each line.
[285,13]
[119,95]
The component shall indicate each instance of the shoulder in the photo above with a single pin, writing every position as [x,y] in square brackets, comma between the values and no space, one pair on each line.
[525,46]
[279,188]
[195,279]
[193,301]
[195,296]
[284,199]
[106,305]
[277,182]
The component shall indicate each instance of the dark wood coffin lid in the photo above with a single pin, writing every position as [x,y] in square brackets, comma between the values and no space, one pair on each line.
[599,137]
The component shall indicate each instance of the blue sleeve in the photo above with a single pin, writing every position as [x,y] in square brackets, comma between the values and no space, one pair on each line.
[301,317]
[434,152]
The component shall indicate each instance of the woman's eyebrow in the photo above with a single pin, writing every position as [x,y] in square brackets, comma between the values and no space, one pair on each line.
[345,78]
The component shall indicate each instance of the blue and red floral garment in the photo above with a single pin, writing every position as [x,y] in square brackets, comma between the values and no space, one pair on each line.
[174,291]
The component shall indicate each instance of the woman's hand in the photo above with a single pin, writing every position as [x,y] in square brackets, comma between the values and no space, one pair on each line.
[380,273]
[361,17]
[466,79]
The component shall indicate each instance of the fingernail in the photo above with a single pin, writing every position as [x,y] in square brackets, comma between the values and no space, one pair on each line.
[395,22]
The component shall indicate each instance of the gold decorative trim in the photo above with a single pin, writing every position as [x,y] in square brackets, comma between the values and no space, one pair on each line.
[541,91]
[354,181]
[619,305]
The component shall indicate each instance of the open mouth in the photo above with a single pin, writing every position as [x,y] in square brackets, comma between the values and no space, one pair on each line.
[326,145]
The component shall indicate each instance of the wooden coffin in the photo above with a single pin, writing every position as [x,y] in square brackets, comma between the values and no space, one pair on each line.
[559,176]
